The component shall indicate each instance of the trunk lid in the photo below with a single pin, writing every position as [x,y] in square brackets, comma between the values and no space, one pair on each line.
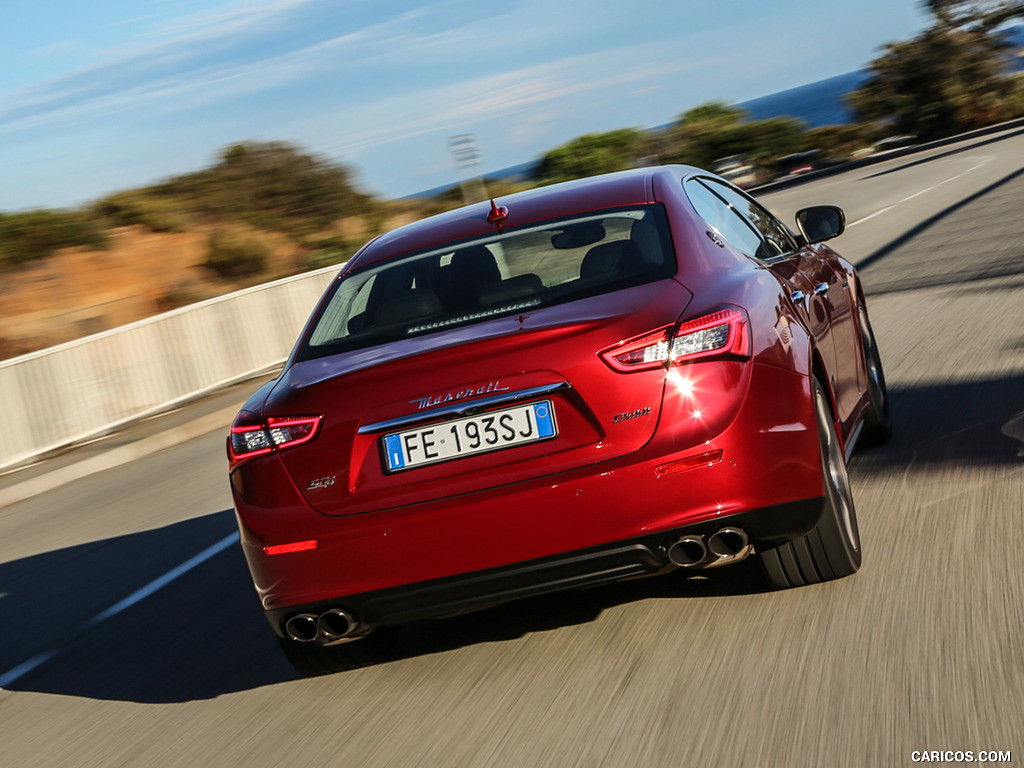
[446,385]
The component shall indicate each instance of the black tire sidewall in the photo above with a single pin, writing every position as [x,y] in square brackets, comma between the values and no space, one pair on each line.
[842,552]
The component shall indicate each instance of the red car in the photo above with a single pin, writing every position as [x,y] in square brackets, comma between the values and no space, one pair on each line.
[586,382]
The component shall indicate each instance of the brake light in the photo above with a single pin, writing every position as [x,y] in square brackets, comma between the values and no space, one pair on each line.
[722,333]
[250,440]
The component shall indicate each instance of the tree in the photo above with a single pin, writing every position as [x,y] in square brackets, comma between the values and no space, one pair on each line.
[978,15]
[712,131]
[690,139]
[714,113]
[271,185]
[945,81]
[592,154]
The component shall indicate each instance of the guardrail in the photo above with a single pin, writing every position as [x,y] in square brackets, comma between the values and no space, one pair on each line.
[91,386]
[780,184]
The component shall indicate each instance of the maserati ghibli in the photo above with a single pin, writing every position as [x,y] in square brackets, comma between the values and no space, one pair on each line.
[598,380]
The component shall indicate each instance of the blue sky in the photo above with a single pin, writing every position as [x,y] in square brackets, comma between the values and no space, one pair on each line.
[115,94]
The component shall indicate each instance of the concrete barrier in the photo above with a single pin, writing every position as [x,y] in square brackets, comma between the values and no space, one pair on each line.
[91,386]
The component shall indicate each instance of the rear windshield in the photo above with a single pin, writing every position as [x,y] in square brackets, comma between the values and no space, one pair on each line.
[504,273]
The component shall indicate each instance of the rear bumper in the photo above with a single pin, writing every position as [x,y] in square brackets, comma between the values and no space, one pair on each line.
[635,557]
[758,466]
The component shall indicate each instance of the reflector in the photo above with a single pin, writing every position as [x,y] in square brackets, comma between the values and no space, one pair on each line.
[295,546]
[690,462]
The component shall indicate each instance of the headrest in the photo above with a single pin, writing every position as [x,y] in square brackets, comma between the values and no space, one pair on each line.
[415,304]
[477,261]
[519,287]
[610,260]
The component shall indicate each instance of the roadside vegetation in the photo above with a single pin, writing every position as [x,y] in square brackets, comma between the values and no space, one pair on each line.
[264,210]
[33,235]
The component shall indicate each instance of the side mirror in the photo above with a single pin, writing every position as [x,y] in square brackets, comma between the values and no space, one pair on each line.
[821,222]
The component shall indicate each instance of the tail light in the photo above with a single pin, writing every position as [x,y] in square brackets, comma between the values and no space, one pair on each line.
[259,437]
[722,333]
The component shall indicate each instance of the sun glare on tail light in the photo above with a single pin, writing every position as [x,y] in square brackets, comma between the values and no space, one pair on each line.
[641,353]
[721,333]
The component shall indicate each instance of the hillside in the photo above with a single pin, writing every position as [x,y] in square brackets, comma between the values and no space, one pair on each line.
[264,212]
[79,291]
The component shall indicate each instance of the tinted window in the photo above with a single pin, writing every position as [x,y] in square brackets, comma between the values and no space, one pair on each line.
[504,273]
[773,231]
[719,215]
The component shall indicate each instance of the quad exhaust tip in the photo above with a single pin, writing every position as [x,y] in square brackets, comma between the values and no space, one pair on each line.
[302,628]
[727,542]
[328,627]
[726,545]
[336,623]
[688,551]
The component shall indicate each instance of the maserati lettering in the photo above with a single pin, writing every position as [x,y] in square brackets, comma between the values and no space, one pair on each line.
[462,394]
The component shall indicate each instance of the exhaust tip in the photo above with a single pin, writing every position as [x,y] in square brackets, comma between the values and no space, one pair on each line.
[336,623]
[687,551]
[727,542]
[302,628]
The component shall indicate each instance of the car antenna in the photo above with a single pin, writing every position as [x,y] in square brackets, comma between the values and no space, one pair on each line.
[497,215]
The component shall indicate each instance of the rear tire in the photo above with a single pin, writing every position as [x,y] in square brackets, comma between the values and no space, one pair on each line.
[311,660]
[831,549]
[877,422]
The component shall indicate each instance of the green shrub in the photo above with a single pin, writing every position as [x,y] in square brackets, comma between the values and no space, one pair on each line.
[327,251]
[1015,97]
[129,208]
[591,154]
[270,185]
[234,254]
[31,235]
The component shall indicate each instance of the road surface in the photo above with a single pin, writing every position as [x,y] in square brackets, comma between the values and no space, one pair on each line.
[132,636]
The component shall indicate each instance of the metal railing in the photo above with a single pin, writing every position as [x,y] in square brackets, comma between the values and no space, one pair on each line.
[91,386]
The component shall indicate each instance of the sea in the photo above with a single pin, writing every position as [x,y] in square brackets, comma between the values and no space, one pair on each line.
[816,104]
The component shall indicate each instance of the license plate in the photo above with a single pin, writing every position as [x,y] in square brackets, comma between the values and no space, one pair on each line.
[469,436]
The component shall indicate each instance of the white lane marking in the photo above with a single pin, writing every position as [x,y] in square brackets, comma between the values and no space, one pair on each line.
[163,581]
[25,667]
[1014,429]
[137,596]
[985,160]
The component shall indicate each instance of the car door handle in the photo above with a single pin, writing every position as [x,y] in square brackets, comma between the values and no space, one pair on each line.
[820,288]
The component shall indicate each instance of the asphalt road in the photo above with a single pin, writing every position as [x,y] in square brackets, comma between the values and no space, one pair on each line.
[131,635]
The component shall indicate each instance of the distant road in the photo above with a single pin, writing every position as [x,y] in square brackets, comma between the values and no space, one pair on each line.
[132,637]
